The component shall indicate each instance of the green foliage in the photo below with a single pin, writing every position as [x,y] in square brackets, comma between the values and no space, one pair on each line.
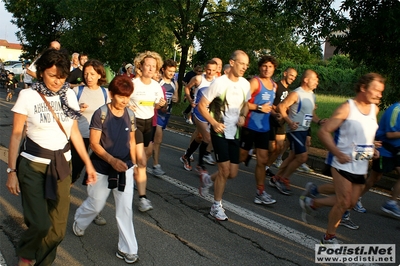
[369,34]
[38,21]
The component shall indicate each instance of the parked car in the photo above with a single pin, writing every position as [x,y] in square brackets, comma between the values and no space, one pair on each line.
[15,68]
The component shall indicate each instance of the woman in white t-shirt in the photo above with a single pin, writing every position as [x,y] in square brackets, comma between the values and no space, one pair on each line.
[146,96]
[43,172]
[90,97]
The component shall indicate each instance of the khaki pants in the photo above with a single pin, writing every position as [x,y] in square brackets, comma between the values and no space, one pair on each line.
[46,219]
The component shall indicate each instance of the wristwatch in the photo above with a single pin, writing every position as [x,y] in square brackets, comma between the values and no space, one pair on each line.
[259,108]
[10,170]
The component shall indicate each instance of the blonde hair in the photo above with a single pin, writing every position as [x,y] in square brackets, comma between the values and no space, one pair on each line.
[139,60]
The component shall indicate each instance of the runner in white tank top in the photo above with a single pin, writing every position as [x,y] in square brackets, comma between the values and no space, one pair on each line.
[355,137]
[355,125]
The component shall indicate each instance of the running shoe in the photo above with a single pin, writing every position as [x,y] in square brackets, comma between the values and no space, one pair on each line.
[77,230]
[218,212]
[278,163]
[331,241]
[191,158]
[157,170]
[205,183]
[272,181]
[269,173]
[129,258]
[99,220]
[208,159]
[189,121]
[305,168]
[305,204]
[283,186]
[346,221]
[201,168]
[391,208]
[186,163]
[264,198]
[311,190]
[144,205]
[359,207]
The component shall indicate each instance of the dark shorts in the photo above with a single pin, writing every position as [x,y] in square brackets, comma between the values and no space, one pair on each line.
[297,140]
[309,132]
[225,149]
[385,164]
[353,178]
[248,137]
[162,121]
[281,130]
[144,131]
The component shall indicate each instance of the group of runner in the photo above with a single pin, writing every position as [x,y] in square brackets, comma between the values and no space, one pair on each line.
[235,118]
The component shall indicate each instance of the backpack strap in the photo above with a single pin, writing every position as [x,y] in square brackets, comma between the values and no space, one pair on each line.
[104,93]
[80,90]
[104,111]
[132,118]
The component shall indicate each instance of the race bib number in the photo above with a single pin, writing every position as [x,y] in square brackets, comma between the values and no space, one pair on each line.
[146,103]
[307,120]
[363,152]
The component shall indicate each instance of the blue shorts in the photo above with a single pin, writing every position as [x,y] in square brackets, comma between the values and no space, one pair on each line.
[297,140]
[197,114]
[162,121]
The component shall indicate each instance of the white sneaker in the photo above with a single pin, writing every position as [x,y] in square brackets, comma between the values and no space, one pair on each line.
[218,212]
[264,198]
[189,121]
[145,205]
[305,168]
[129,258]
[157,170]
[77,230]
[359,207]
[205,183]
[100,220]
[208,159]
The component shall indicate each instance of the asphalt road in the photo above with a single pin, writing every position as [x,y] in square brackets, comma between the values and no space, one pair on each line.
[179,231]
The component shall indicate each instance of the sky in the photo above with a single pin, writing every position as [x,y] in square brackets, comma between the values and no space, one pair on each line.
[7,29]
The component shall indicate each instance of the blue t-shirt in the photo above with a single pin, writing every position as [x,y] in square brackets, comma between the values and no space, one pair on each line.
[115,138]
[390,122]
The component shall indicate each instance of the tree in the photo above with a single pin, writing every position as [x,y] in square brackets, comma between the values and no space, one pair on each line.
[370,35]
[38,21]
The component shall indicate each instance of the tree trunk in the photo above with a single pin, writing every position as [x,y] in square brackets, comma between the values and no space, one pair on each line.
[182,69]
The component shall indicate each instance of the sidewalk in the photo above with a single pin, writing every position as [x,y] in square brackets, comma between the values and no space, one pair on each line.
[316,157]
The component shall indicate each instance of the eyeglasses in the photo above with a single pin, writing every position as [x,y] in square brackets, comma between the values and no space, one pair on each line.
[242,63]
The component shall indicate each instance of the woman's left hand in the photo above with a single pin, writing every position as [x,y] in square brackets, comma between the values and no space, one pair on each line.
[13,184]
